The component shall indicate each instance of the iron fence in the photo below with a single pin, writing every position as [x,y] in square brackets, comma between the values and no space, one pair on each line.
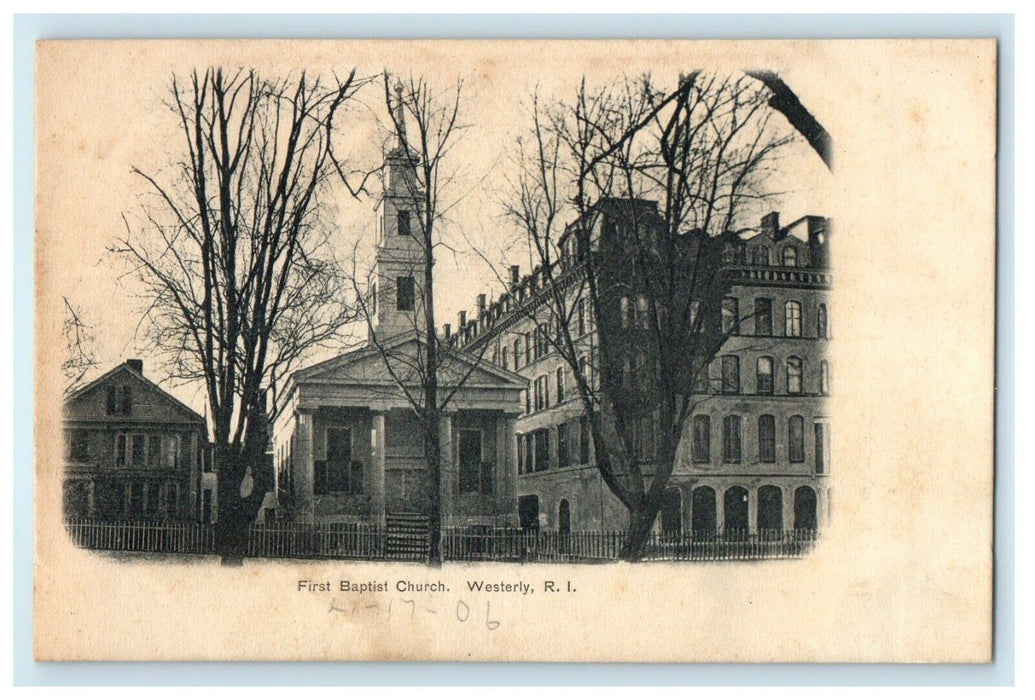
[409,541]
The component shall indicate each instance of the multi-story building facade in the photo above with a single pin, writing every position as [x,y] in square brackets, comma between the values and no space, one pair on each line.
[755,451]
[133,451]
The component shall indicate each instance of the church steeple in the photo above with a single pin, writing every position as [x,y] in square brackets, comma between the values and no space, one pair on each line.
[395,284]
[400,120]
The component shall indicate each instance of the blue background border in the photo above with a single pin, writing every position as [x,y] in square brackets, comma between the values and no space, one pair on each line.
[28,28]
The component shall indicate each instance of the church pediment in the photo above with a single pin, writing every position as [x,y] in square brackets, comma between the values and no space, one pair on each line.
[405,360]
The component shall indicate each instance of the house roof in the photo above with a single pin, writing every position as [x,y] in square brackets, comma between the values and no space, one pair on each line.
[139,376]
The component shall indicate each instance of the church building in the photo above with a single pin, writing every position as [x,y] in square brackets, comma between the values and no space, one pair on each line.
[348,444]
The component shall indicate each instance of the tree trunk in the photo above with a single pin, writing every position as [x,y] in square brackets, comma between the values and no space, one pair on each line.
[641,523]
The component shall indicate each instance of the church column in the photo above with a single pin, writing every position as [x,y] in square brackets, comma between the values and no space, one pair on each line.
[303,466]
[506,470]
[377,468]
[447,475]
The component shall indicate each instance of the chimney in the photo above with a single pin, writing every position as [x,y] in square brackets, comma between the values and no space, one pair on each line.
[136,365]
[448,331]
[481,305]
[463,321]
[771,223]
[515,277]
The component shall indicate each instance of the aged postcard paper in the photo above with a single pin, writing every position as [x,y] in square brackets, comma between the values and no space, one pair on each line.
[534,351]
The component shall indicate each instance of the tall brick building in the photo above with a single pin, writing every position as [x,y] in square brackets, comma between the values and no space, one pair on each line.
[755,452]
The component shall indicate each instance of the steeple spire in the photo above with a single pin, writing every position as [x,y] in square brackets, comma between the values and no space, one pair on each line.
[400,117]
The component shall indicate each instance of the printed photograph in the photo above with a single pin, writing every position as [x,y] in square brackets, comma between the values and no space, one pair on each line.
[643,377]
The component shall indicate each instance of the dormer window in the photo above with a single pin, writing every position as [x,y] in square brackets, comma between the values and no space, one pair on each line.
[404,223]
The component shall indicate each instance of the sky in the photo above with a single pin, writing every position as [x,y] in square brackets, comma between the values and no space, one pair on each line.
[101,113]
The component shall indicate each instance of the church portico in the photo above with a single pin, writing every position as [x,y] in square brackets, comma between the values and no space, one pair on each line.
[350,447]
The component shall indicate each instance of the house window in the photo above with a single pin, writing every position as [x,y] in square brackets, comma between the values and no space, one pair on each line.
[521,453]
[792,319]
[138,444]
[528,348]
[542,344]
[542,449]
[790,256]
[796,439]
[120,450]
[731,439]
[730,316]
[119,400]
[766,438]
[517,352]
[763,316]
[560,385]
[702,428]
[137,501]
[730,374]
[172,497]
[475,473]
[822,434]
[762,255]
[404,294]
[563,446]
[627,312]
[793,375]
[764,375]
[404,223]
[79,445]
[695,308]
[154,451]
[824,377]
[580,315]
[542,392]
[821,321]
[171,452]
[506,364]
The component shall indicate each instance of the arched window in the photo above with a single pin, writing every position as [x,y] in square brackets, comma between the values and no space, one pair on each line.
[824,377]
[764,375]
[793,375]
[770,511]
[506,364]
[702,511]
[731,439]
[702,428]
[796,439]
[735,507]
[804,508]
[821,321]
[766,438]
[790,256]
[792,319]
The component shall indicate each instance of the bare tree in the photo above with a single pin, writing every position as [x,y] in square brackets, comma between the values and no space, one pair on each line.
[231,248]
[430,377]
[79,359]
[659,184]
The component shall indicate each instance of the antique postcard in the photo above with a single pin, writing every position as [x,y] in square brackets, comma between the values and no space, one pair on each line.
[666,351]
